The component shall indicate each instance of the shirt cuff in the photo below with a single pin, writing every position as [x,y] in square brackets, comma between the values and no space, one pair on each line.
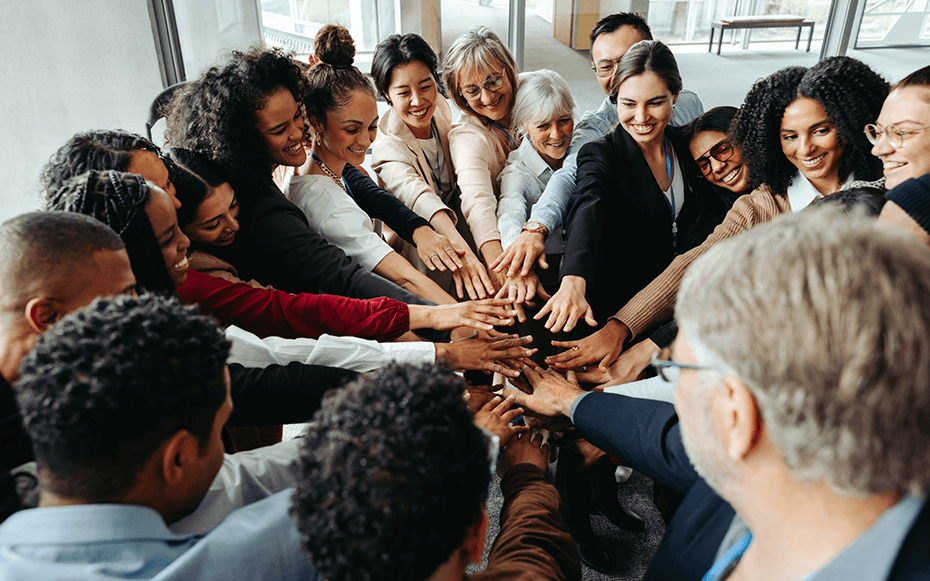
[571,414]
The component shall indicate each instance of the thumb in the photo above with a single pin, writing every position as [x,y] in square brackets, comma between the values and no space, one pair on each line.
[589,317]
[542,261]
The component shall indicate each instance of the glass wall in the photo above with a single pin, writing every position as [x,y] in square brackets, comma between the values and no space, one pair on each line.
[688,21]
[888,23]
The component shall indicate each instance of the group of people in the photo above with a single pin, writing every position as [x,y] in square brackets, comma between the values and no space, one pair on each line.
[170,308]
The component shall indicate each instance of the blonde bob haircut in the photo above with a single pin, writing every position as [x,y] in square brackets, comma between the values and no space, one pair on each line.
[476,50]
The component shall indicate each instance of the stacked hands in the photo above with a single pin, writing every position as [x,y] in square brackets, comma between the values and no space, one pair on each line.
[564,310]
[439,253]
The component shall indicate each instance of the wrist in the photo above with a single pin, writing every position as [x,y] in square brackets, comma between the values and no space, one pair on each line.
[445,353]
[575,282]
[420,232]
[536,228]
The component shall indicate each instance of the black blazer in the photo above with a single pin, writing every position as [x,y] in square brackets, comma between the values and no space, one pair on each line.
[645,435]
[619,226]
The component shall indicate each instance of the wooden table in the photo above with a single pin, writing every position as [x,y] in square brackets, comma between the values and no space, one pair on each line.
[760,22]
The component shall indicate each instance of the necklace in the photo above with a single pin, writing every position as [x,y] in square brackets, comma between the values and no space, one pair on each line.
[329,172]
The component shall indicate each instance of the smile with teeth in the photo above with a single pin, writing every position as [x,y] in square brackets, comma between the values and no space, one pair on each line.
[495,103]
[558,144]
[293,149]
[181,265]
[228,236]
[813,162]
[891,165]
[420,113]
[641,128]
[731,176]
[358,151]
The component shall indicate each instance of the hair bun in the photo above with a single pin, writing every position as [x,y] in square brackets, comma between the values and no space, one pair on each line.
[334,46]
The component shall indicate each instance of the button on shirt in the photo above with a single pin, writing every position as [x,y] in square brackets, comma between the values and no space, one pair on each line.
[552,205]
[118,541]
[522,182]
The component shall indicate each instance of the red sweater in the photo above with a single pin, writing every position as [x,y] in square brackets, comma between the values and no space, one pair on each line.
[276,313]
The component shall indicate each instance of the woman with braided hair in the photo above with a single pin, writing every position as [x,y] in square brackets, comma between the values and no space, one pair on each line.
[801,137]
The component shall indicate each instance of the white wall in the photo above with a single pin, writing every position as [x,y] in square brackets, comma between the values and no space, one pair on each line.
[68,67]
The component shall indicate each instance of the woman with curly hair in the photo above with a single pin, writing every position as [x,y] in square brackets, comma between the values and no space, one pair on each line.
[412,158]
[481,77]
[800,134]
[338,199]
[246,114]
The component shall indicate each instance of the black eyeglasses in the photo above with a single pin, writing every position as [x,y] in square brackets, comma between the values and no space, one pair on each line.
[722,151]
[660,364]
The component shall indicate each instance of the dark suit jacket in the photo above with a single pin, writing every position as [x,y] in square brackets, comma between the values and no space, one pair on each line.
[619,226]
[645,435]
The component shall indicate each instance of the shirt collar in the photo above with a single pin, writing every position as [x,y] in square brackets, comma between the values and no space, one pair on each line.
[802,193]
[531,158]
[608,112]
[86,522]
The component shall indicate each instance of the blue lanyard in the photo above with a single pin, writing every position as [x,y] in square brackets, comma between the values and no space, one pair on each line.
[671,205]
[723,562]
[506,133]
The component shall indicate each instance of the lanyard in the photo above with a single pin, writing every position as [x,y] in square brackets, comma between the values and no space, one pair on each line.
[671,205]
[506,133]
[723,562]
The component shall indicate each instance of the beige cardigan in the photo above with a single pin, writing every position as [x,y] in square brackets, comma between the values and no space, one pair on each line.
[654,304]
[479,153]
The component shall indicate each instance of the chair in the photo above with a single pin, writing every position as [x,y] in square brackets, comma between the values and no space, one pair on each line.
[155,111]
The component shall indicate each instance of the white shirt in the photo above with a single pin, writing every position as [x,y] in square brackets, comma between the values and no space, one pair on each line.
[336,216]
[802,193]
[344,352]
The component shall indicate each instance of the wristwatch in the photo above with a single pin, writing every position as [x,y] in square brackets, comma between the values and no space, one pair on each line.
[536,227]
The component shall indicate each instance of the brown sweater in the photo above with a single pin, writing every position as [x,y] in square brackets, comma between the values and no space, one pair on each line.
[533,544]
[654,304]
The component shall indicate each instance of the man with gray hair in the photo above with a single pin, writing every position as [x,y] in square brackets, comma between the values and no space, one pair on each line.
[800,434]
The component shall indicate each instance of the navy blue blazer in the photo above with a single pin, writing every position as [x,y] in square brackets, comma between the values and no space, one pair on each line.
[645,435]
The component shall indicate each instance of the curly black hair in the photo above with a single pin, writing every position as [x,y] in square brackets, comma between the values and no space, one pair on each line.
[118,200]
[334,79]
[851,94]
[391,476]
[215,114]
[108,384]
[100,149]
[196,176]
[40,249]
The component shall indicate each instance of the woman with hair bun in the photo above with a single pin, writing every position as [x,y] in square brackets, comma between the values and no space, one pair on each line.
[412,157]
[246,114]
[481,77]
[339,200]
[800,135]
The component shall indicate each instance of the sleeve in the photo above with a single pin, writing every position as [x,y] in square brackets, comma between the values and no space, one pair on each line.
[343,352]
[665,334]
[687,108]
[280,394]
[271,312]
[654,303]
[397,171]
[586,218]
[533,543]
[643,433]
[281,231]
[512,207]
[379,204]
[471,158]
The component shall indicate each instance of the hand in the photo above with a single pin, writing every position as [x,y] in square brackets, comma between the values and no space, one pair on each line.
[552,394]
[505,356]
[478,395]
[567,306]
[473,277]
[602,346]
[522,289]
[525,448]
[435,250]
[628,367]
[529,247]
[484,315]
[495,416]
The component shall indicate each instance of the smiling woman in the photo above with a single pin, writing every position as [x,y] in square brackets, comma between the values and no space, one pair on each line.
[901,134]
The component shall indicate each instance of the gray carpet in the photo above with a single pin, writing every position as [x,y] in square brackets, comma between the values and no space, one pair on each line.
[629,552]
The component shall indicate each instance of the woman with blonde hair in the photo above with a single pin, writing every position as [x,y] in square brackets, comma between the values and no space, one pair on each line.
[481,77]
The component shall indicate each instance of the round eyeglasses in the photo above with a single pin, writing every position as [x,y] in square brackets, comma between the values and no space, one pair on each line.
[605,67]
[894,134]
[722,151]
[492,85]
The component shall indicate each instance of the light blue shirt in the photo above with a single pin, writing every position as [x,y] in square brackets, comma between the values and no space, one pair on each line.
[118,541]
[522,182]
[553,204]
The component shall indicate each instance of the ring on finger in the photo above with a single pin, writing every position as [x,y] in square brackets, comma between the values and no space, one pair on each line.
[433,254]
[574,347]
[449,248]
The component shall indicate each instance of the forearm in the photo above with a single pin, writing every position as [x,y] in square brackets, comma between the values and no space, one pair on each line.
[442,222]
[396,268]
[490,251]
[552,205]
[378,203]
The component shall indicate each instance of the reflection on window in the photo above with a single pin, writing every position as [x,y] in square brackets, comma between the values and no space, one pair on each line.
[894,22]
[294,23]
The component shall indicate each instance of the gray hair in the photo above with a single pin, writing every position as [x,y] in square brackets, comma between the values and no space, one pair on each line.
[543,95]
[826,319]
[476,50]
